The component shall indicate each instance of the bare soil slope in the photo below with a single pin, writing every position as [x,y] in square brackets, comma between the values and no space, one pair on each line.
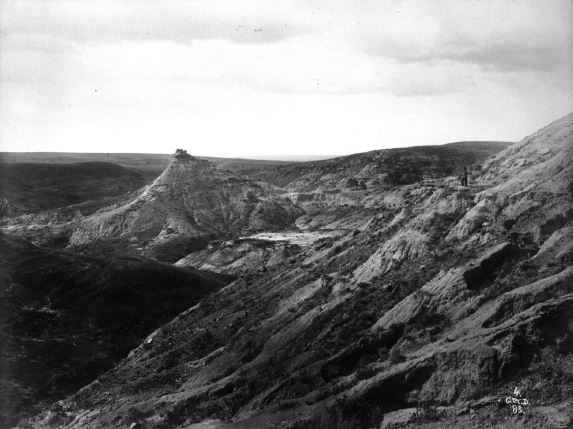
[191,201]
[189,204]
[428,305]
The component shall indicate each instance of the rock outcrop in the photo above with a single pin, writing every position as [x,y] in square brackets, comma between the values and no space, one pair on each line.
[191,200]
[424,296]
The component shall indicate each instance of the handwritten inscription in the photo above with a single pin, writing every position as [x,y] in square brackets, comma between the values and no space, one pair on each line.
[516,402]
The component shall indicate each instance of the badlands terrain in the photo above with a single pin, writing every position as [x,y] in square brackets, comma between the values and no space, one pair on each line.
[368,291]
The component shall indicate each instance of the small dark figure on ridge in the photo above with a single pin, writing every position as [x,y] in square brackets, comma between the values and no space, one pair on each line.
[464,177]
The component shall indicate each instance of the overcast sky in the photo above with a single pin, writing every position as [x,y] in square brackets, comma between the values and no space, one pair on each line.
[273,78]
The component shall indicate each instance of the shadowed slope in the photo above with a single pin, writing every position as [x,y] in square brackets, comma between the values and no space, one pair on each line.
[439,295]
[29,188]
[66,318]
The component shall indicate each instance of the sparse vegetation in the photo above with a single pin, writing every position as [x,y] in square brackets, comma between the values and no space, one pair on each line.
[372,311]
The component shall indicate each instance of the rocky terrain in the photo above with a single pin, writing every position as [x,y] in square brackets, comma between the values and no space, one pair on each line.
[66,318]
[191,203]
[380,167]
[371,292]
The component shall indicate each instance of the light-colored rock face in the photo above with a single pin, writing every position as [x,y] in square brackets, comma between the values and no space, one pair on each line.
[542,162]
[446,294]
[559,245]
[427,291]
[405,245]
[193,199]
[480,215]
[239,257]
[450,294]
[255,253]
[534,175]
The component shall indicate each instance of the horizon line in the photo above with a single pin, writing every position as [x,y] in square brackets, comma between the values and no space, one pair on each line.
[286,157]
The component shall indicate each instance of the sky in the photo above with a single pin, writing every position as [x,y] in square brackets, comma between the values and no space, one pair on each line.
[273,78]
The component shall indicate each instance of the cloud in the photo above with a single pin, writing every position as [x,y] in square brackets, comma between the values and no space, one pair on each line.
[290,72]
[497,36]
[502,55]
[299,65]
[338,47]
[107,21]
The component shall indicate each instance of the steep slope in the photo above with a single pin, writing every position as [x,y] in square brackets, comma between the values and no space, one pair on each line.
[189,204]
[193,201]
[66,318]
[333,185]
[431,302]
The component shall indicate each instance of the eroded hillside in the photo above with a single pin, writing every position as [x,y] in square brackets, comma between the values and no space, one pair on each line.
[66,318]
[189,204]
[422,305]
[380,167]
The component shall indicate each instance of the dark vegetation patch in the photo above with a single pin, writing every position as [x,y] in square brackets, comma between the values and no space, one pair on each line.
[439,225]
[149,164]
[30,188]
[177,247]
[170,250]
[67,318]
[401,166]
[516,270]
[554,223]
[487,267]
[386,395]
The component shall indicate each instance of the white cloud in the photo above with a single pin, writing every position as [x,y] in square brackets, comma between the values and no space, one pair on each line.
[264,77]
[181,21]
[504,35]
